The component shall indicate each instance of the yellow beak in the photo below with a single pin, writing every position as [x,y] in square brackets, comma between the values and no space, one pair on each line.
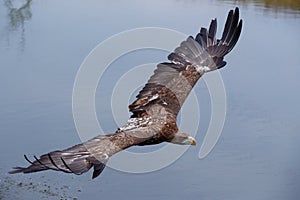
[194,143]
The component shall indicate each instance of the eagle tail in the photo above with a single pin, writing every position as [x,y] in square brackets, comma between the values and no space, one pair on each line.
[76,159]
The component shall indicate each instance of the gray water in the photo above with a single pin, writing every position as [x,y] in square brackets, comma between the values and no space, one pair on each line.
[43,44]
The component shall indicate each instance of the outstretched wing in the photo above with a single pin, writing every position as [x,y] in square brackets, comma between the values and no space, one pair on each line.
[82,157]
[172,82]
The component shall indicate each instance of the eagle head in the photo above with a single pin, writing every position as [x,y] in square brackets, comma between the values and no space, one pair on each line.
[183,139]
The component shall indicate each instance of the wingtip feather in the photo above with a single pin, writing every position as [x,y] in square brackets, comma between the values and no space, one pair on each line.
[16,170]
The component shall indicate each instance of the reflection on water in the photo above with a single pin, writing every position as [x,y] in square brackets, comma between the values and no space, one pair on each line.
[17,16]
[274,6]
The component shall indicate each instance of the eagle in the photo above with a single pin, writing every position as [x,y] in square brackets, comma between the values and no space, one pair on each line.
[156,107]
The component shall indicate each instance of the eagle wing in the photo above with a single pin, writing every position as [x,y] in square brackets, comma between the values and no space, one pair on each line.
[92,153]
[172,81]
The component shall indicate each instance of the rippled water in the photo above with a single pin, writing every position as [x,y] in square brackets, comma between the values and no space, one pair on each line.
[43,43]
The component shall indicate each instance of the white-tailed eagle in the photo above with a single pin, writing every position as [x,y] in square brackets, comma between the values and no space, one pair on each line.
[155,110]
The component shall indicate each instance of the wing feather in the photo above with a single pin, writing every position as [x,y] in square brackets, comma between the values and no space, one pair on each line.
[82,157]
[212,33]
[171,82]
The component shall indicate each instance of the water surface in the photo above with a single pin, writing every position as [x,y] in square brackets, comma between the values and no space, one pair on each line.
[43,43]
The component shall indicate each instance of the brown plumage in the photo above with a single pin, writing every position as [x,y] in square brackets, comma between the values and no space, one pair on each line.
[155,110]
